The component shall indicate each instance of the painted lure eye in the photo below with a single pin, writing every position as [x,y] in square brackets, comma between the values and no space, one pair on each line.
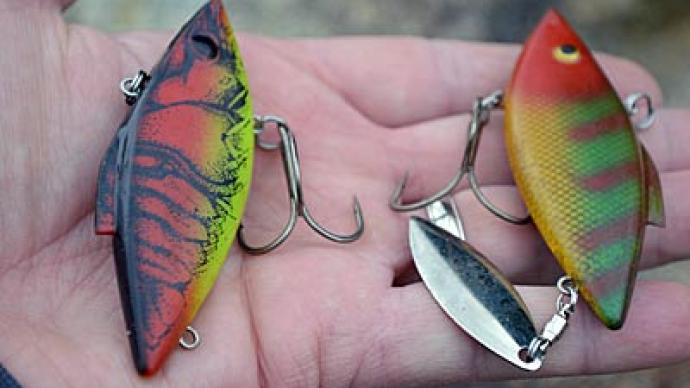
[566,53]
[205,46]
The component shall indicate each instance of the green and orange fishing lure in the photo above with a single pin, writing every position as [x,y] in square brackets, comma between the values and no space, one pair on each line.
[589,185]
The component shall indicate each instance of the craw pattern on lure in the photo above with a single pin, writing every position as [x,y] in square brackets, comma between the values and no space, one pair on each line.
[588,183]
[174,182]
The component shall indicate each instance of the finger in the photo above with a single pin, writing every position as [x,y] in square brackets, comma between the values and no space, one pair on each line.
[440,144]
[415,343]
[667,140]
[399,81]
[520,252]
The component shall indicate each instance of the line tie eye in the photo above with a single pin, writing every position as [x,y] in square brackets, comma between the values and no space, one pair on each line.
[566,53]
[205,46]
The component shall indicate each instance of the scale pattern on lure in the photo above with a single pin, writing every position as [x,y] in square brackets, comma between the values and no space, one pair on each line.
[174,182]
[588,183]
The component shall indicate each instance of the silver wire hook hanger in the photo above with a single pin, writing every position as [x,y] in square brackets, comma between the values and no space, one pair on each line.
[298,208]
[480,117]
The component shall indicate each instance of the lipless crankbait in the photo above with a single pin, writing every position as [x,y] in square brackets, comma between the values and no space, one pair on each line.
[174,182]
[589,185]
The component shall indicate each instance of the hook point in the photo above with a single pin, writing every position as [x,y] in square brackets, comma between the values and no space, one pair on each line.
[396,198]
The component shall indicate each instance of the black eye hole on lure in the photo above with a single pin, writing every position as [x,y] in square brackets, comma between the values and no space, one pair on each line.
[205,46]
[566,53]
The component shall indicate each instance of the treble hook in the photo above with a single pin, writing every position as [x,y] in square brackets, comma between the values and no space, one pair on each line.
[298,208]
[480,117]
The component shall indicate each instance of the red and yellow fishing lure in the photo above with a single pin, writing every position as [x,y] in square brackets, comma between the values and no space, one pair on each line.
[588,183]
[174,182]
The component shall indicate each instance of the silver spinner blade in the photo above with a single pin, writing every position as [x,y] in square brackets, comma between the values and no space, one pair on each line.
[473,292]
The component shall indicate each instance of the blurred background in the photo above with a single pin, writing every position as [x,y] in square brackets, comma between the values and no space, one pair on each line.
[654,33]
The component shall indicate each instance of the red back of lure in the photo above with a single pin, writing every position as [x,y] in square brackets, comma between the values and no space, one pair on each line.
[174,182]
[585,178]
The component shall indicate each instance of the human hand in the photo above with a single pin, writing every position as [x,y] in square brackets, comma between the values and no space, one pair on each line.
[311,313]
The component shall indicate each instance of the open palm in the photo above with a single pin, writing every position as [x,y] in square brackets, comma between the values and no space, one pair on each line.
[313,312]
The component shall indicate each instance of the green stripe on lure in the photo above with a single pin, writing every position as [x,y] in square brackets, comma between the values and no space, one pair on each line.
[588,183]
[174,183]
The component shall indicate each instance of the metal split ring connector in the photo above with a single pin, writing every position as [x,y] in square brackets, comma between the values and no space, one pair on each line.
[632,105]
[195,339]
[133,87]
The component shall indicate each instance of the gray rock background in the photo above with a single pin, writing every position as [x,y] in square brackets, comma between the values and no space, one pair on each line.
[654,33]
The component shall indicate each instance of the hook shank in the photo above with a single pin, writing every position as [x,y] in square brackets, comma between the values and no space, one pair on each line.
[298,208]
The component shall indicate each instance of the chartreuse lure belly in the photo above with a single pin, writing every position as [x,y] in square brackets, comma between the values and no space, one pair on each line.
[174,183]
[588,183]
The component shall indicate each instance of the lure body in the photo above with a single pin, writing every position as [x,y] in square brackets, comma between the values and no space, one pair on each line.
[174,182]
[588,183]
